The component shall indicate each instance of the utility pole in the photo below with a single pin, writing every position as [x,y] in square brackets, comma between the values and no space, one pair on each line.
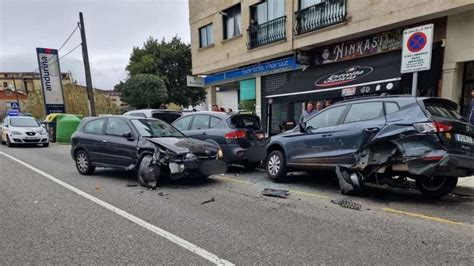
[87,69]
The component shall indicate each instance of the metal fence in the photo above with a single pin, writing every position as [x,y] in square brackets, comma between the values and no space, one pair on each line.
[268,32]
[321,15]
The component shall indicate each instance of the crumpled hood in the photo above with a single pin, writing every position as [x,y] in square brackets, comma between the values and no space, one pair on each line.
[185,145]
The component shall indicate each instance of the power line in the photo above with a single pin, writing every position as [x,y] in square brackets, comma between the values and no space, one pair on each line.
[70,35]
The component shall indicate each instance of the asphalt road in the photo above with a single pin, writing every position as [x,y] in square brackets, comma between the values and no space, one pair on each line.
[45,222]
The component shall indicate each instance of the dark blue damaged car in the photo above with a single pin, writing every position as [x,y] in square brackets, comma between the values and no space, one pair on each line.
[380,140]
[150,147]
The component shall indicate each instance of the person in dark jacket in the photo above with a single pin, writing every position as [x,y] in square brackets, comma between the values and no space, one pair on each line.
[470,113]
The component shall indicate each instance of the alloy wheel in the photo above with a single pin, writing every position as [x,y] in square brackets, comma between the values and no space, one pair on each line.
[274,164]
[82,162]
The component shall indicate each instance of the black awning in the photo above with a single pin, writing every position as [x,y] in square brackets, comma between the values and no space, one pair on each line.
[369,75]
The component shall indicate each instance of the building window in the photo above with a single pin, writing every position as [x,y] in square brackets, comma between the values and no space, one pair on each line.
[205,36]
[232,22]
[267,23]
[5,84]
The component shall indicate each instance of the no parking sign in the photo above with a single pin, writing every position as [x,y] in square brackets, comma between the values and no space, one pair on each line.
[416,53]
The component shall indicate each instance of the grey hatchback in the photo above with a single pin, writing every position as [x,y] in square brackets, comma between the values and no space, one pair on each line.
[380,139]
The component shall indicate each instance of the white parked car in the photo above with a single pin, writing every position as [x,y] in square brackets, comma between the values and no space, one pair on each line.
[23,130]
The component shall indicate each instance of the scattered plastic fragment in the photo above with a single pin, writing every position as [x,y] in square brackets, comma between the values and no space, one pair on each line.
[348,203]
[208,201]
[278,193]
[162,194]
[132,185]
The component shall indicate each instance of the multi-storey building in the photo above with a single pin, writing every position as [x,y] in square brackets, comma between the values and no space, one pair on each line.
[274,55]
[27,81]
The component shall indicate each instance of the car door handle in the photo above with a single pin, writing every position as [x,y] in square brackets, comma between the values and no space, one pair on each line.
[372,129]
[104,141]
[326,135]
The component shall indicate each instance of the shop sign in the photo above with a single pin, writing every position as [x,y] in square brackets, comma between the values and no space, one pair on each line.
[276,66]
[50,74]
[343,77]
[194,81]
[361,47]
[417,47]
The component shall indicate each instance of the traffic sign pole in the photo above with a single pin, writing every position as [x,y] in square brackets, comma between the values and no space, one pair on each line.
[414,83]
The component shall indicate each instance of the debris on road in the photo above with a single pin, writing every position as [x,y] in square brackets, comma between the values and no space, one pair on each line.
[278,193]
[97,188]
[132,185]
[162,194]
[348,203]
[208,201]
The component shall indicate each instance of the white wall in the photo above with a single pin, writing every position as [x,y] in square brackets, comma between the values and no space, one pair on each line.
[228,99]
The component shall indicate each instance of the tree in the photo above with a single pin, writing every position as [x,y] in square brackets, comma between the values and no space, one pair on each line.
[172,62]
[75,99]
[144,91]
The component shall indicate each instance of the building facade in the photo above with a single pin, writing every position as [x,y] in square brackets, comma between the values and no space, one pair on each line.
[271,56]
[27,81]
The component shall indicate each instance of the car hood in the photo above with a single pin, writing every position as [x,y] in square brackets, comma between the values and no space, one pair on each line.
[25,129]
[185,145]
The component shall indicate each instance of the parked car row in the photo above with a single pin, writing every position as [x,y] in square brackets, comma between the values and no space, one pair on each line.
[369,140]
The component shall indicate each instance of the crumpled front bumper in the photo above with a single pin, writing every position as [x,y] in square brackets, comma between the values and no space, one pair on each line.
[196,168]
[441,163]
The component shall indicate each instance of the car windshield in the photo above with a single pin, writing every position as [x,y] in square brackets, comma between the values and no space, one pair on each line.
[245,121]
[23,122]
[155,128]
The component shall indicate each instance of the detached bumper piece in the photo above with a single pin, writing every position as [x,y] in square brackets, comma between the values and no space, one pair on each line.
[440,163]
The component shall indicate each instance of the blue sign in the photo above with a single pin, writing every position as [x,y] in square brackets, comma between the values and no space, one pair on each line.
[277,66]
[14,105]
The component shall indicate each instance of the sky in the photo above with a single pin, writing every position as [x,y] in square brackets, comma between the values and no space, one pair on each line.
[113,28]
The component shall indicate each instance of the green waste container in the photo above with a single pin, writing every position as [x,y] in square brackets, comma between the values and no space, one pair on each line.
[66,125]
[61,126]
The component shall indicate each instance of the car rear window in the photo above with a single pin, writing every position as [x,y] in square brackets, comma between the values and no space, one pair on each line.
[245,121]
[442,109]
[167,117]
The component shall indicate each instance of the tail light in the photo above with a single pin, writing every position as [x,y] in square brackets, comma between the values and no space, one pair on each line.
[239,134]
[432,127]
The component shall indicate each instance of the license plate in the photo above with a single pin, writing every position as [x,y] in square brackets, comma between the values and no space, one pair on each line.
[260,135]
[464,138]
[31,138]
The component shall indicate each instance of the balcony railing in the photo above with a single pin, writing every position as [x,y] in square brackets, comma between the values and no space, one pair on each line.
[321,15]
[268,32]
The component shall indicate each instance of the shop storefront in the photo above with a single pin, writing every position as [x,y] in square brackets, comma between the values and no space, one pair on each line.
[239,89]
[361,67]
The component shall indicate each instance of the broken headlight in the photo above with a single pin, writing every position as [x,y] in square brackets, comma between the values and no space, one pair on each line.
[190,156]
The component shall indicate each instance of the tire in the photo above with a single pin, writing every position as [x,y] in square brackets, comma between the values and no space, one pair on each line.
[9,144]
[250,166]
[148,176]
[275,166]
[83,163]
[45,145]
[436,187]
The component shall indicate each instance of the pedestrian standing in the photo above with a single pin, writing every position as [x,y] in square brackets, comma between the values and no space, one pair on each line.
[327,103]
[470,113]
[308,112]
[319,106]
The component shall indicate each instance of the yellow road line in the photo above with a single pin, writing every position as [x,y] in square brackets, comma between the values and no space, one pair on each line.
[422,216]
[311,194]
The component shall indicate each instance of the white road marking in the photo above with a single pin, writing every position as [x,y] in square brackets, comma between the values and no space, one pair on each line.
[161,232]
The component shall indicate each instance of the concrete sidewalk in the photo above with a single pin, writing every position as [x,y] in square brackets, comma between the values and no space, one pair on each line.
[465,186]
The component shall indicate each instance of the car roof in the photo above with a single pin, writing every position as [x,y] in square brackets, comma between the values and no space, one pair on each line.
[154,110]
[214,113]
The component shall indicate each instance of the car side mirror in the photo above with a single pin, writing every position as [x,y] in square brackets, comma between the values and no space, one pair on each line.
[128,136]
[303,127]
